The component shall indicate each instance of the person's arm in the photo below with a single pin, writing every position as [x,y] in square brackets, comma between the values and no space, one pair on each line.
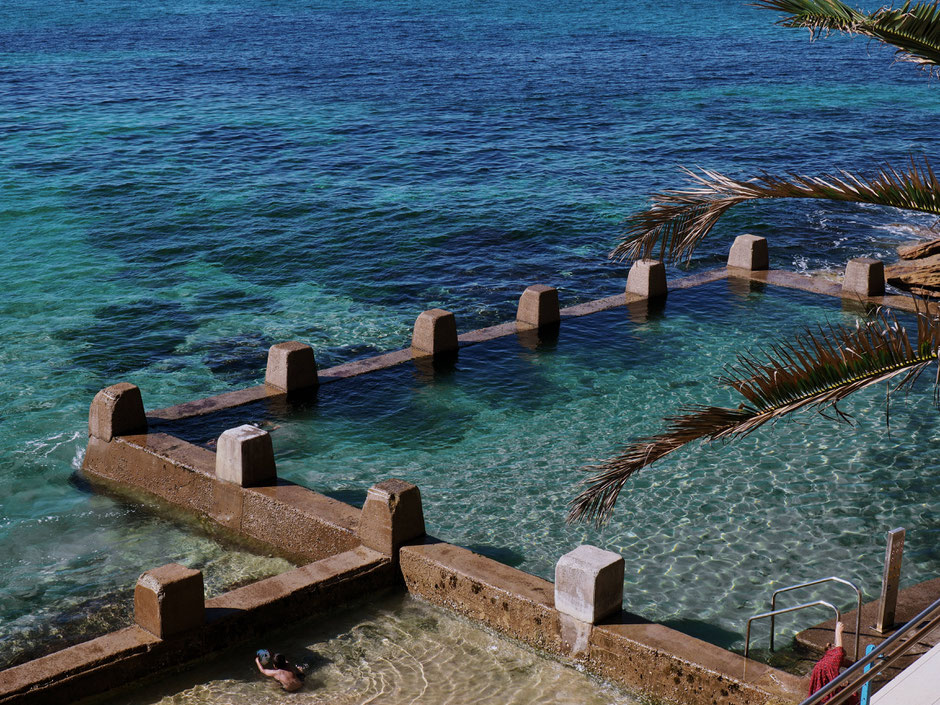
[264,671]
[839,627]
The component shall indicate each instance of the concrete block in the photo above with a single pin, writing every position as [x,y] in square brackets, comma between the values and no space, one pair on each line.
[749,252]
[435,332]
[865,277]
[647,278]
[589,583]
[391,517]
[291,367]
[245,456]
[538,306]
[117,410]
[169,600]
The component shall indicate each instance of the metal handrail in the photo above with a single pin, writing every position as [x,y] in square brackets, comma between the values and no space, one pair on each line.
[856,675]
[747,639]
[858,611]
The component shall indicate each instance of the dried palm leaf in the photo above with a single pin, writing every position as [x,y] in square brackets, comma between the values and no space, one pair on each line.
[815,370]
[680,218]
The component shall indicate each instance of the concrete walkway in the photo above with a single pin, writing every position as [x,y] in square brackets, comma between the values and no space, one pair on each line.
[918,684]
[911,601]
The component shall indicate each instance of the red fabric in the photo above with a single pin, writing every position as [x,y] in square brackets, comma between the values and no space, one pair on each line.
[826,670]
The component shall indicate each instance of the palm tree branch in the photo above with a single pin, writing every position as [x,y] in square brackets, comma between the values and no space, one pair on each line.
[915,31]
[815,15]
[815,370]
[913,28]
[679,219]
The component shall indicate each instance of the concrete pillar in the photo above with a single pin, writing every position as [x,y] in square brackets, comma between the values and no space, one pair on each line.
[749,252]
[538,307]
[245,456]
[589,584]
[117,410]
[291,367]
[890,582]
[864,277]
[391,517]
[647,278]
[435,332]
[169,600]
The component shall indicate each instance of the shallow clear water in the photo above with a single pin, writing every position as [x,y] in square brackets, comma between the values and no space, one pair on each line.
[394,652]
[496,444]
[184,184]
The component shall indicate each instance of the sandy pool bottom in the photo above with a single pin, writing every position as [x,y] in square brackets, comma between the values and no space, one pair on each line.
[393,652]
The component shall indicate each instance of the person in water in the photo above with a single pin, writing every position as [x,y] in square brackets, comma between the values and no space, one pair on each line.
[827,668]
[280,669]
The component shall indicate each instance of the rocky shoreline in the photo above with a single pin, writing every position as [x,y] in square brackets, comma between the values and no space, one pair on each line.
[918,270]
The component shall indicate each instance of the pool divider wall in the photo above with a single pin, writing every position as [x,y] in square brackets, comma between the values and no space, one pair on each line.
[128,449]
[137,652]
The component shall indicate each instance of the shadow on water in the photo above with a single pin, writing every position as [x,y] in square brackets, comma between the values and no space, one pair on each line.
[354,497]
[704,631]
[503,555]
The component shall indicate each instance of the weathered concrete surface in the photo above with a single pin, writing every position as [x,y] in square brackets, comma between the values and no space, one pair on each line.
[245,457]
[293,521]
[435,332]
[589,583]
[115,411]
[749,252]
[864,276]
[169,600]
[391,516]
[647,278]
[121,657]
[291,367]
[911,601]
[503,598]
[538,307]
[654,659]
[682,669]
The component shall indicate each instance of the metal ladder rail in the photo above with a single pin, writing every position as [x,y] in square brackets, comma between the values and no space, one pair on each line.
[858,611]
[880,658]
[747,639]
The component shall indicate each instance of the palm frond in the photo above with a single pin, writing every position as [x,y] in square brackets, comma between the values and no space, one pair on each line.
[680,218]
[914,29]
[815,15]
[817,369]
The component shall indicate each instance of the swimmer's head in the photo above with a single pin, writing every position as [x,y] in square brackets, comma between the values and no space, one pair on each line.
[280,662]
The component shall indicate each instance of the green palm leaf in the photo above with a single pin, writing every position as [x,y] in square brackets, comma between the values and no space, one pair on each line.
[816,15]
[679,219]
[815,370]
[913,28]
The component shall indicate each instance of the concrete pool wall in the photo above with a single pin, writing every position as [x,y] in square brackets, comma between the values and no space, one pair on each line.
[348,553]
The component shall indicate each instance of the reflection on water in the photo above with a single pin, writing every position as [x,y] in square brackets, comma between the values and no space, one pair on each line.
[397,651]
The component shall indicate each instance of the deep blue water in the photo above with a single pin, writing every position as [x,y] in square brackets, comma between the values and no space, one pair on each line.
[183,184]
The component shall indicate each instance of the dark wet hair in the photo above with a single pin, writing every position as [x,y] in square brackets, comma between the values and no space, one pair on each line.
[280,662]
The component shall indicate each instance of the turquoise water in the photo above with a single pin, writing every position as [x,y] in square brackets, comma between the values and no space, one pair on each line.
[184,184]
[496,443]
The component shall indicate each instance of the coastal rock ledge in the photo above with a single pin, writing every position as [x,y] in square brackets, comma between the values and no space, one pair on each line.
[918,270]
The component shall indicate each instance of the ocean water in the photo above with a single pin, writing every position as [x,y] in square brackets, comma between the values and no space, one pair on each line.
[184,183]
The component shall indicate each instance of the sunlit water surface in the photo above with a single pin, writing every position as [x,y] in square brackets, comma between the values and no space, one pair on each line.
[183,184]
[497,442]
[395,652]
